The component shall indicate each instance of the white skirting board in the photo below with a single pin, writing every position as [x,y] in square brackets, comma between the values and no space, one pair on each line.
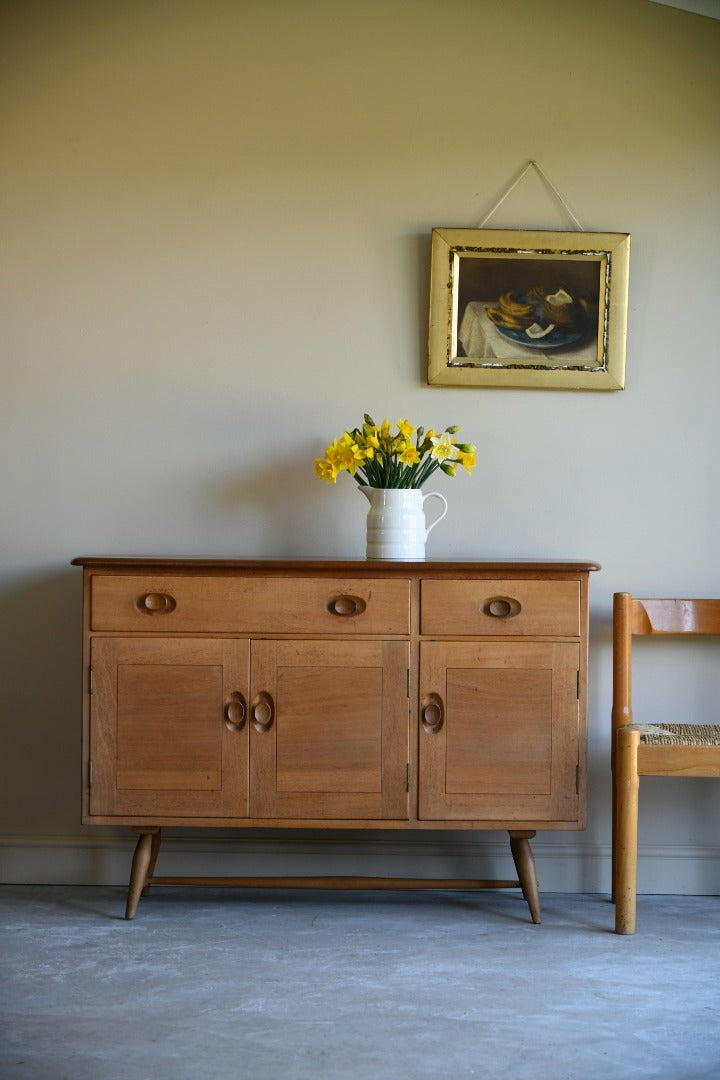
[563,864]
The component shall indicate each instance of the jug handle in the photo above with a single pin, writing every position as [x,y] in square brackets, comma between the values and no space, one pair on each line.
[443,500]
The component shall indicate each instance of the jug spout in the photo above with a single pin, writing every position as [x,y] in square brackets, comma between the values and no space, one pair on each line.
[366,492]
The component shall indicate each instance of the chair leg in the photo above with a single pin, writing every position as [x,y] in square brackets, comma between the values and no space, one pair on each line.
[625,856]
[614,802]
[613,810]
[525,866]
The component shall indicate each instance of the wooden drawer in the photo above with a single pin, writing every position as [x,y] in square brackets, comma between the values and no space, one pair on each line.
[249,605]
[501,608]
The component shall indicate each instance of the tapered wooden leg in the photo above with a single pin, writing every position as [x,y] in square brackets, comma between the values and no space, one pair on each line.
[139,869]
[525,866]
[613,810]
[154,852]
[627,785]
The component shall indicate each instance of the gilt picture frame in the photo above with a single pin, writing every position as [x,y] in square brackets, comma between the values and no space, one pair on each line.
[528,309]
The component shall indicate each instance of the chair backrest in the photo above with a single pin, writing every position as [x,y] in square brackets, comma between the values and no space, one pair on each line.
[675,616]
[633,617]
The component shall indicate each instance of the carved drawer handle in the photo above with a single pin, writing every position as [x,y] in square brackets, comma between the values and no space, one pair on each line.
[432,713]
[156,603]
[263,711]
[502,607]
[235,712]
[346,605]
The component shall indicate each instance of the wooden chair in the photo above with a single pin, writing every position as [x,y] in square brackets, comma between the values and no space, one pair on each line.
[648,749]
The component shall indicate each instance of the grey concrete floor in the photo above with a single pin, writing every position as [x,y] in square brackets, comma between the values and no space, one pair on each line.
[308,986]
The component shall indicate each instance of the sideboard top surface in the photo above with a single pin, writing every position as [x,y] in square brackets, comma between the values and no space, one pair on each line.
[348,566]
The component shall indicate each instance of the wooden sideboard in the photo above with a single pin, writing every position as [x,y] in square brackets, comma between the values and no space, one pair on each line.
[334,694]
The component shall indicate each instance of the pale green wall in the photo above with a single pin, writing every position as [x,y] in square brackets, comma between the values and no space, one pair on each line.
[214,240]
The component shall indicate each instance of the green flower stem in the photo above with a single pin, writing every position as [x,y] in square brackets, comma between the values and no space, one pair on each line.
[393,474]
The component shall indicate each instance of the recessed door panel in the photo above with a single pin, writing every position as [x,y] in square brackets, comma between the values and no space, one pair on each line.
[162,739]
[332,742]
[329,729]
[167,731]
[500,731]
[499,738]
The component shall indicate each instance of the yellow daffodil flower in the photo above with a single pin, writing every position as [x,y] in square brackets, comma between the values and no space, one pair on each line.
[379,457]
[326,470]
[344,455]
[371,443]
[409,455]
[443,447]
[466,456]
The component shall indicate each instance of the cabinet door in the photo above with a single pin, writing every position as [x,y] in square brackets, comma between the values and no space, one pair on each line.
[167,732]
[329,724]
[498,735]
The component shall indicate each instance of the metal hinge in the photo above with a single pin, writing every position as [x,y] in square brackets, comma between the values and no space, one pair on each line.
[578,685]
[577,779]
[408,682]
[407,776]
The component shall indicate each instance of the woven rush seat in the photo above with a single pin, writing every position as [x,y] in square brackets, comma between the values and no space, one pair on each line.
[678,734]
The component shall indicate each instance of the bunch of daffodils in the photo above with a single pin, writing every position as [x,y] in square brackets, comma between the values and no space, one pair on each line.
[380,458]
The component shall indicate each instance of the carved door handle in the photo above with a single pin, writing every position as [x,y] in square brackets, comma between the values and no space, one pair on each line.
[502,607]
[263,711]
[432,713]
[235,712]
[156,603]
[346,605]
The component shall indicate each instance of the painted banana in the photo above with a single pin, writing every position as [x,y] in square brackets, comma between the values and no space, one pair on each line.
[511,314]
[509,322]
[514,308]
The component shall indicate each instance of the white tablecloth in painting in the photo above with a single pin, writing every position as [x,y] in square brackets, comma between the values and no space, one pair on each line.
[481,339]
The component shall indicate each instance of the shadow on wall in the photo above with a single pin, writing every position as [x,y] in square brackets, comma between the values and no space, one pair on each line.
[40,704]
[284,510]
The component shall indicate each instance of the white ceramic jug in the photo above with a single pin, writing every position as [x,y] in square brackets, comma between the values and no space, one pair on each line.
[396,526]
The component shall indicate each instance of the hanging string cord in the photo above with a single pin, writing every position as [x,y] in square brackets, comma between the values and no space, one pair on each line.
[514,184]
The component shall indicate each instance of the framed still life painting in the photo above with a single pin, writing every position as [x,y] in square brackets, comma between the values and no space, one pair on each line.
[528,309]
